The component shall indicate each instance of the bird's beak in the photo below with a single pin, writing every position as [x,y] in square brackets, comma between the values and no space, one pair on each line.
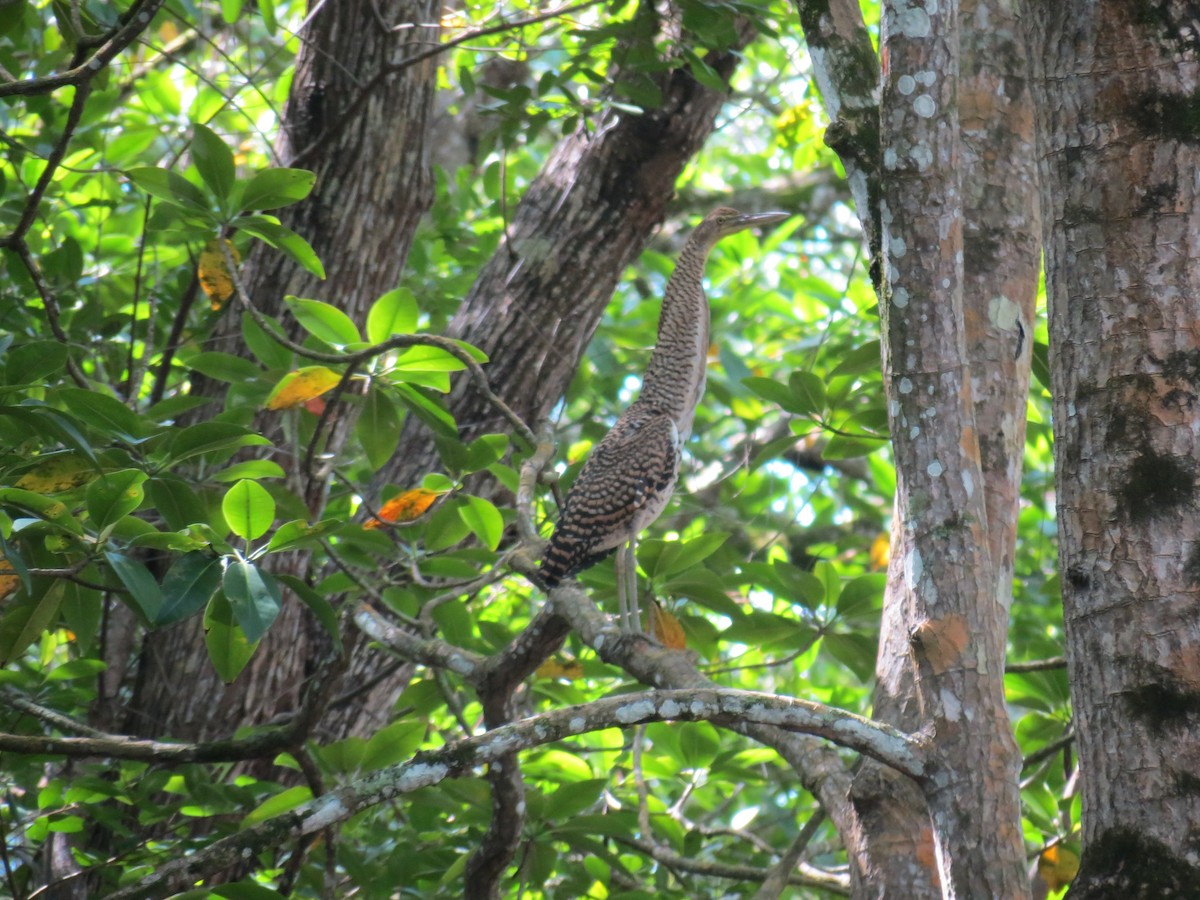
[758,219]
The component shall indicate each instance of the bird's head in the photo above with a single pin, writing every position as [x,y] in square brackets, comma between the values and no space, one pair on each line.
[723,221]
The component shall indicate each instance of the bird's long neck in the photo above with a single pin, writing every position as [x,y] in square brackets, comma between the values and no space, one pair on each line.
[674,380]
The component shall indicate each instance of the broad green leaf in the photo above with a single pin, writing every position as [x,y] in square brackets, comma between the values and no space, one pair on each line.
[860,597]
[428,408]
[143,589]
[172,187]
[855,651]
[23,622]
[208,437]
[378,427]
[104,413]
[573,798]
[859,361]
[299,533]
[46,507]
[254,597]
[34,362]
[188,586]
[770,389]
[176,501]
[226,643]
[678,556]
[282,802]
[394,313]
[213,160]
[263,344]
[426,359]
[273,188]
[808,393]
[114,495]
[249,511]
[393,744]
[251,468]
[224,366]
[323,321]
[482,517]
[285,240]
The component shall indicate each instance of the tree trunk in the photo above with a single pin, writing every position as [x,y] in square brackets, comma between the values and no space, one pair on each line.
[373,185]
[1119,155]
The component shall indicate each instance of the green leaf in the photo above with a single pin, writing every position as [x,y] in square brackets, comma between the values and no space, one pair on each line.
[23,622]
[378,427]
[808,393]
[106,414]
[859,361]
[323,321]
[251,468]
[213,160]
[394,313]
[284,239]
[254,597]
[226,643]
[249,511]
[297,533]
[114,495]
[278,804]
[34,362]
[224,366]
[143,589]
[47,508]
[855,651]
[188,586]
[176,501]
[483,451]
[393,744]
[483,519]
[273,188]
[677,556]
[427,359]
[208,437]
[861,597]
[172,187]
[428,409]
[770,389]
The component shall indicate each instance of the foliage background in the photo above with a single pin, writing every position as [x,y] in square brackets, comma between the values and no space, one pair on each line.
[119,490]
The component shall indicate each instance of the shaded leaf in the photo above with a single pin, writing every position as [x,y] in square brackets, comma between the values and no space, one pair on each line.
[273,188]
[213,160]
[188,586]
[227,646]
[254,597]
[114,495]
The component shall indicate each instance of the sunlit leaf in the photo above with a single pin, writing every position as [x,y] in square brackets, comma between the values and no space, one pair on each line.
[249,510]
[273,188]
[300,386]
[404,507]
[321,320]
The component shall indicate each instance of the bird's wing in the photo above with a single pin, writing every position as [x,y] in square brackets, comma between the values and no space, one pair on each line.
[621,489]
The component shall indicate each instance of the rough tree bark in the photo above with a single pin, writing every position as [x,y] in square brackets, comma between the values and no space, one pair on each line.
[983,122]
[1119,153]
[373,185]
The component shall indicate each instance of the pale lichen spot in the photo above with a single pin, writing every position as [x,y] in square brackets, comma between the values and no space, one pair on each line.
[934,469]
[924,106]
[670,709]
[889,160]
[922,156]
[577,724]
[925,77]
[914,568]
[913,432]
[635,711]
[894,408]
[913,22]
[897,247]
[900,297]
[906,84]
[906,385]
[968,483]
[1003,313]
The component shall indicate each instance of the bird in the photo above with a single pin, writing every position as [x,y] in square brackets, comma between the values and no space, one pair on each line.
[630,475]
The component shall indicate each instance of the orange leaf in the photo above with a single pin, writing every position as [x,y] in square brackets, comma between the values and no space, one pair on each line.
[214,275]
[404,507]
[553,668]
[8,583]
[301,386]
[316,406]
[666,628]
[1058,866]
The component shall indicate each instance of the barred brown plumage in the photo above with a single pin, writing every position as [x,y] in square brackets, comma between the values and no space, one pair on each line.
[631,473]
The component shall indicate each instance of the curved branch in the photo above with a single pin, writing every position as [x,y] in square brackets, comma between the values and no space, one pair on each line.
[720,706]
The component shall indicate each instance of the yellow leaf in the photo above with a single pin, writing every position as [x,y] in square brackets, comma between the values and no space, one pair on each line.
[59,472]
[553,668]
[214,275]
[880,551]
[301,386]
[1058,866]
[666,628]
[404,507]
[8,583]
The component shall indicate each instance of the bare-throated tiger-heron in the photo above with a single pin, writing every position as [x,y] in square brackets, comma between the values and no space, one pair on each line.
[630,475]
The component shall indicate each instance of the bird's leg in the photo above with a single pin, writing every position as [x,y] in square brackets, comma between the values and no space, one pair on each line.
[622,586]
[635,621]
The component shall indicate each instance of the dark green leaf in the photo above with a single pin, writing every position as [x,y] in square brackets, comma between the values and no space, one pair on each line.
[286,240]
[226,643]
[143,589]
[188,586]
[273,188]
[114,495]
[214,161]
[254,597]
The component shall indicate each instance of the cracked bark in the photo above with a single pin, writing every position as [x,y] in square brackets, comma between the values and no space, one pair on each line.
[1118,157]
